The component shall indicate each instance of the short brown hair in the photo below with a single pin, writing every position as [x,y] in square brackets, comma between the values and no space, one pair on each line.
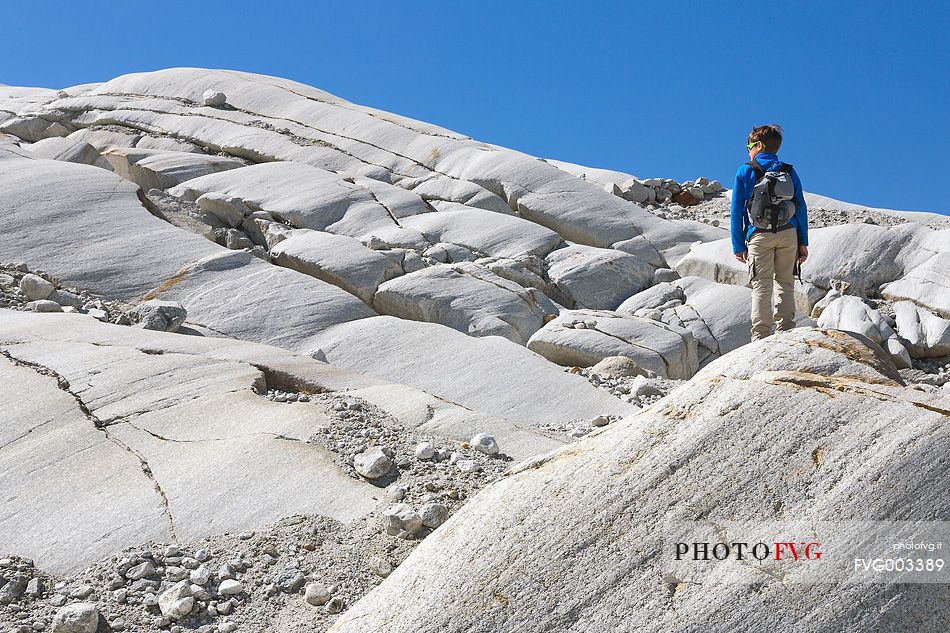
[769,135]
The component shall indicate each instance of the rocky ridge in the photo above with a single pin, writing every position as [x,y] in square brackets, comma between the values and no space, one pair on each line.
[296,321]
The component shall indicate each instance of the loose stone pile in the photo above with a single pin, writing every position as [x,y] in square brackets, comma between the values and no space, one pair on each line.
[276,395]
[37,291]
[715,210]
[416,469]
[303,569]
[660,191]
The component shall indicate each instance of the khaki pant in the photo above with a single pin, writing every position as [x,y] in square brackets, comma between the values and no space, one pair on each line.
[772,257]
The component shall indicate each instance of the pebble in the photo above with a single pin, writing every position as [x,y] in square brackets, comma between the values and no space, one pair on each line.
[316,594]
[600,420]
[142,570]
[290,580]
[425,451]
[230,588]
[201,575]
[400,520]
[380,566]
[467,465]
[35,587]
[433,515]
[372,463]
[81,617]
[174,574]
[485,443]
[335,605]
[189,563]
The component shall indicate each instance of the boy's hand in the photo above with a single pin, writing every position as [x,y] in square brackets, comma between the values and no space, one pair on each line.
[741,256]
[802,253]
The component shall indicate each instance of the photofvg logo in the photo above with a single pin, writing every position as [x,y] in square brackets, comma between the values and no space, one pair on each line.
[780,550]
[747,552]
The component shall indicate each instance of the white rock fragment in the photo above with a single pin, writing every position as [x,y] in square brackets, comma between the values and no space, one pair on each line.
[44,305]
[142,570]
[425,451]
[616,367]
[214,98]
[35,287]
[400,520]
[230,588]
[201,575]
[467,465]
[380,566]
[372,463]
[484,443]
[177,601]
[81,617]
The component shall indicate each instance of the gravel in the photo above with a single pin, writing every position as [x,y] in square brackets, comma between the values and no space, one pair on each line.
[236,582]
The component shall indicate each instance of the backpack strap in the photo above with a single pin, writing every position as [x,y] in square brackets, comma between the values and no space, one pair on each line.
[787,168]
[757,168]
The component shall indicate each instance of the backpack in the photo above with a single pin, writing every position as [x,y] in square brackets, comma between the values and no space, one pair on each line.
[771,205]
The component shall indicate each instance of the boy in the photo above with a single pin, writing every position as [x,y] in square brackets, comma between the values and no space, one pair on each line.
[771,253]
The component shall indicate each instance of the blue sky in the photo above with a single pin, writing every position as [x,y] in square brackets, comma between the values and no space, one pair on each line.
[652,88]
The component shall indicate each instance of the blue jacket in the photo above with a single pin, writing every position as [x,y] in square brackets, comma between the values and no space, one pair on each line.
[741,227]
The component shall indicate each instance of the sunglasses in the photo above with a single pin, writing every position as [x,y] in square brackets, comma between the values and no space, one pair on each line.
[751,145]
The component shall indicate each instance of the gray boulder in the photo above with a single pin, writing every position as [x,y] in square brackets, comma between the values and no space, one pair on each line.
[80,617]
[586,337]
[597,278]
[164,316]
[44,305]
[337,259]
[854,315]
[177,601]
[466,297]
[212,97]
[35,287]
[372,463]
[925,333]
